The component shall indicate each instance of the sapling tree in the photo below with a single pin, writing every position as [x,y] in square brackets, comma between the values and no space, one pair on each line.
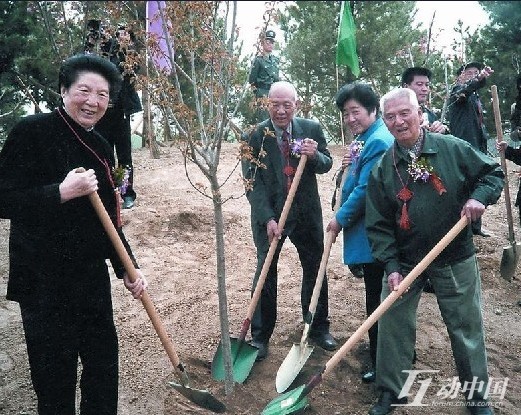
[195,78]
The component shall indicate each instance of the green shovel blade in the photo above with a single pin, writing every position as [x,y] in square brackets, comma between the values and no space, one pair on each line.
[243,358]
[292,402]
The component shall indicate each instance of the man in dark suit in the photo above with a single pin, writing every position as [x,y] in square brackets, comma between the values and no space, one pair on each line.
[273,144]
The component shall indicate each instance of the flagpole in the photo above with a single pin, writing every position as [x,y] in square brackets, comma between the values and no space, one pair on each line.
[341,118]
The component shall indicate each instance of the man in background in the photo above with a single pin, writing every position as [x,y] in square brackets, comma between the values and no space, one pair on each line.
[418,79]
[115,124]
[466,113]
[264,72]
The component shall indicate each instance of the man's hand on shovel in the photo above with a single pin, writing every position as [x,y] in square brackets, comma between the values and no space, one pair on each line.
[473,209]
[272,229]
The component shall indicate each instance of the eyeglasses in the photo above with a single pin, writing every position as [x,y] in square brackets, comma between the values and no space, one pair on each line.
[286,106]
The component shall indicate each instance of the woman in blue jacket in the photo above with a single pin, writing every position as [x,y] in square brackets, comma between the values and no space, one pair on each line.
[360,110]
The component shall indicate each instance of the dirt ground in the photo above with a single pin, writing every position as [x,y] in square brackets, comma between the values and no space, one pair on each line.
[171,231]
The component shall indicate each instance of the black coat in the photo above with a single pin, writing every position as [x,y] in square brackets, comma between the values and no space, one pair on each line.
[267,196]
[466,114]
[45,233]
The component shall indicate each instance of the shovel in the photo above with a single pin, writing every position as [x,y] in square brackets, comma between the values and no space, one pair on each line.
[201,398]
[295,401]
[244,354]
[299,353]
[510,256]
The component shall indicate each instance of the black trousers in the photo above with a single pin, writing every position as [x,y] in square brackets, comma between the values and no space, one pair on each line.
[308,241]
[373,275]
[73,320]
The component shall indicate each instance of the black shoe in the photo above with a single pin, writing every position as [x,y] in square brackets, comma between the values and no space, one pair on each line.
[357,270]
[263,350]
[369,376]
[383,406]
[128,202]
[324,340]
[479,407]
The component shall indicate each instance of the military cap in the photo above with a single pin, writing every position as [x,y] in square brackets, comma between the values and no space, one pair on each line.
[270,34]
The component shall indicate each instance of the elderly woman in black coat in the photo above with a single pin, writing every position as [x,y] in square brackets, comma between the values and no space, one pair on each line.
[58,248]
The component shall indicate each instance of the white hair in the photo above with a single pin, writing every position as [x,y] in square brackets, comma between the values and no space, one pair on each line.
[285,85]
[399,93]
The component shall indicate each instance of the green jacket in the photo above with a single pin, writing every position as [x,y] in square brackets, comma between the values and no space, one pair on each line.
[465,173]
[264,71]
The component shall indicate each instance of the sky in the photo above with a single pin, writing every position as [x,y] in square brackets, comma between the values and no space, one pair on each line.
[249,18]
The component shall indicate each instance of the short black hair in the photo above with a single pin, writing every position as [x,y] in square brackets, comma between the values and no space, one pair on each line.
[361,92]
[477,65]
[409,74]
[72,67]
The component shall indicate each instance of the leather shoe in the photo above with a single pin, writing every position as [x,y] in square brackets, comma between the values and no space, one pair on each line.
[263,350]
[128,202]
[479,407]
[383,406]
[324,340]
[369,376]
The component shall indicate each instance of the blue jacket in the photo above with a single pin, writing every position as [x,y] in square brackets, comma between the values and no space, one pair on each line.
[351,215]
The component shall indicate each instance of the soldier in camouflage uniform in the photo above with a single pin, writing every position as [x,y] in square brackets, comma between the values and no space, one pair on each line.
[264,71]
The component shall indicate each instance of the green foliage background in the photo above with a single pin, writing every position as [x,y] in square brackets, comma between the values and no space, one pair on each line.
[36,36]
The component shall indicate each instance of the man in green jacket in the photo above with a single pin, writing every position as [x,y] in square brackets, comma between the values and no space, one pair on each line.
[264,72]
[417,192]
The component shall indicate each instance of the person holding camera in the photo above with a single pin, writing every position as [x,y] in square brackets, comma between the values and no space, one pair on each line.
[466,114]
[115,125]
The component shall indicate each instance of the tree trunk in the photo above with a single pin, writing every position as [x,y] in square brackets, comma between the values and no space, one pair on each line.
[221,285]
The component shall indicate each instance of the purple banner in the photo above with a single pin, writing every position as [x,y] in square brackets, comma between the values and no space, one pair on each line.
[161,56]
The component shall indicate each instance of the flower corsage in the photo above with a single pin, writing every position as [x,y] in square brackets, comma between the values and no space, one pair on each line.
[121,176]
[355,149]
[421,171]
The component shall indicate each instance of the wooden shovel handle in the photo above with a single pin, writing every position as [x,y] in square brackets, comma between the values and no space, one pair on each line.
[327,251]
[273,246]
[133,276]
[393,296]
[506,187]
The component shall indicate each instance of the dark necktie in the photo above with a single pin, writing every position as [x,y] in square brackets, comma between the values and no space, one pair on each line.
[284,147]
[288,170]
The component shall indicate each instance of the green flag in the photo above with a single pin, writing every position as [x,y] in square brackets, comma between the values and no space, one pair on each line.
[346,43]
